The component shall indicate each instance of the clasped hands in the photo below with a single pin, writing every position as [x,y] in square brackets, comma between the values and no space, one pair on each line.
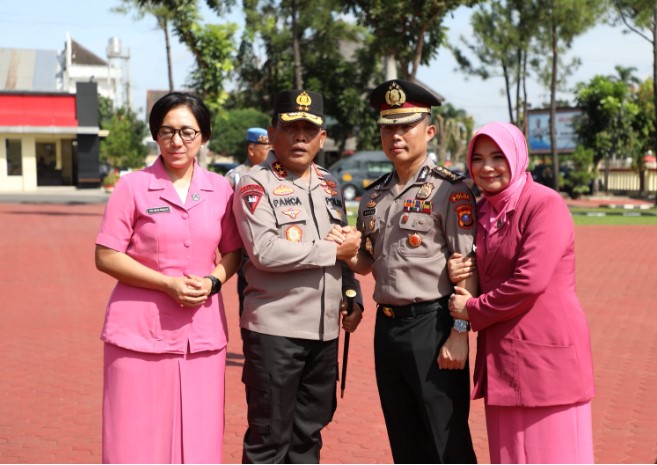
[347,239]
[189,290]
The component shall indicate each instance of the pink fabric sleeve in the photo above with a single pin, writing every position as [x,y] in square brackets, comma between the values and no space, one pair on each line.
[548,232]
[116,227]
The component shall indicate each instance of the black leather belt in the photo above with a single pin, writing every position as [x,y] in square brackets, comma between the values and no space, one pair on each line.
[404,311]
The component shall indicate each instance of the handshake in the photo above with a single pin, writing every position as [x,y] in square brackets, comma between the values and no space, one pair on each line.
[348,240]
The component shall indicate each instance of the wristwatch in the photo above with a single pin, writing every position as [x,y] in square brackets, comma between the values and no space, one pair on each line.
[216,284]
[461,326]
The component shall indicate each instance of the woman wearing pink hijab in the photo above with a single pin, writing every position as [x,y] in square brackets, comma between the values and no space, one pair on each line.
[533,365]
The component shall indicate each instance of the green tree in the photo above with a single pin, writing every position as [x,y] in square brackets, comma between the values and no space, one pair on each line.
[333,59]
[163,16]
[640,17]
[229,130]
[580,177]
[610,121]
[123,147]
[410,33]
[212,45]
[560,22]
[454,128]
[502,32]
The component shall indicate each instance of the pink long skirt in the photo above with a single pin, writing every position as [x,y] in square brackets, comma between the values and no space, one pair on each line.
[163,408]
[559,434]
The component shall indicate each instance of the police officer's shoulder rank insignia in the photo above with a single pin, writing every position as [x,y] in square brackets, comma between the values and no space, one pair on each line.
[278,168]
[450,176]
[251,194]
[378,181]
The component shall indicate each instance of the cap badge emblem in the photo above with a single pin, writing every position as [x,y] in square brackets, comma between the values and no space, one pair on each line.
[395,97]
[304,101]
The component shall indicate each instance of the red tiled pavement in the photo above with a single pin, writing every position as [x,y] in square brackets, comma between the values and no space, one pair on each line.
[50,383]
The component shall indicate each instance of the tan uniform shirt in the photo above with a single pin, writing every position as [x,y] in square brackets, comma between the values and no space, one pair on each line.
[236,173]
[411,233]
[294,283]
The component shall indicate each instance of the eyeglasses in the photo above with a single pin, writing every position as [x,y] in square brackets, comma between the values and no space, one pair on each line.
[186,134]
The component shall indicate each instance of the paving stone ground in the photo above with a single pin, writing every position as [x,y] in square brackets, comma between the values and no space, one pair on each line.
[50,387]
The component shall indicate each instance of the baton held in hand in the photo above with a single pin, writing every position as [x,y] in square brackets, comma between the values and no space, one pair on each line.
[350,294]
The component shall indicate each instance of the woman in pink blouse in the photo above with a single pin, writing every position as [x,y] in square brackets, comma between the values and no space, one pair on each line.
[165,335]
[533,365]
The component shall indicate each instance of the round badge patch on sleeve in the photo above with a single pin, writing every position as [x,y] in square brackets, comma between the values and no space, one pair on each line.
[464,212]
[293,234]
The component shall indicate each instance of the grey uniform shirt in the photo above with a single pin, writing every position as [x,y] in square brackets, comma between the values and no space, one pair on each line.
[294,282]
[411,233]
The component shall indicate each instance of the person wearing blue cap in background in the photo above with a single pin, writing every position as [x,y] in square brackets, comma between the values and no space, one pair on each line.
[257,147]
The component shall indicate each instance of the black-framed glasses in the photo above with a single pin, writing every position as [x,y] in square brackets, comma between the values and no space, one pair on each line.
[186,134]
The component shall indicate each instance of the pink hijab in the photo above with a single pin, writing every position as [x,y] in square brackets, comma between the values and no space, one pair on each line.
[514,147]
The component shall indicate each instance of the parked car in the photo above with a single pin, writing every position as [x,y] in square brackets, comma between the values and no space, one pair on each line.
[359,170]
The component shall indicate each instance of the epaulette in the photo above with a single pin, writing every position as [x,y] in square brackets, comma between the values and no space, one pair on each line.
[449,175]
[322,169]
[380,179]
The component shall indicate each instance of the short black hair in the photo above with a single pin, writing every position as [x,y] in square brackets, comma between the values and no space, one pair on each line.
[176,99]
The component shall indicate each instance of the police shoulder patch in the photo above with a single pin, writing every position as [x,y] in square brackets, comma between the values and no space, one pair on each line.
[449,175]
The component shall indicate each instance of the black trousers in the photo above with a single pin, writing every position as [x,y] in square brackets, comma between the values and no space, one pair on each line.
[425,408]
[291,396]
[241,281]
[241,286]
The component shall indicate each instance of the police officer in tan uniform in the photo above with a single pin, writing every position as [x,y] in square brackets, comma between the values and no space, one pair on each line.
[257,147]
[412,220]
[285,208]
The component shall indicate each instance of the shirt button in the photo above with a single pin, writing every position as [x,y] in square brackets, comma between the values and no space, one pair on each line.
[187,243]
[185,216]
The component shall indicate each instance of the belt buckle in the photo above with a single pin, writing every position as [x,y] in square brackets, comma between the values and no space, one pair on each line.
[387,311]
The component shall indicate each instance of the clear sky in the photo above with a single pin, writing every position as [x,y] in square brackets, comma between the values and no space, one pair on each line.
[43,24]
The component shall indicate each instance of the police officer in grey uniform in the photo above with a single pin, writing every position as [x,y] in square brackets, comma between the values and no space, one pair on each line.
[412,220]
[257,147]
[285,208]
